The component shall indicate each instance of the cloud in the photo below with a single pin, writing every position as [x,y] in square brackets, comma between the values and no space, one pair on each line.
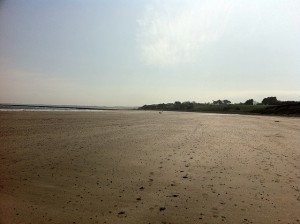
[173,32]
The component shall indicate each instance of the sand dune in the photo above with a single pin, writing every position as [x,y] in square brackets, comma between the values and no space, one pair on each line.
[146,167]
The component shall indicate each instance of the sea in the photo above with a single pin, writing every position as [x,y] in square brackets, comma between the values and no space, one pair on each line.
[49,108]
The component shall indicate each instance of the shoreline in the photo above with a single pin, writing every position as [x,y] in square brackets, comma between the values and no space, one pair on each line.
[128,110]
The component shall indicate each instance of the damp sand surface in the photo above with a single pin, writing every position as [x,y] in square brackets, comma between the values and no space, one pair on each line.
[147,167]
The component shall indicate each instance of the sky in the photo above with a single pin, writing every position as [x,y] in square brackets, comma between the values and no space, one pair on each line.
[136,52]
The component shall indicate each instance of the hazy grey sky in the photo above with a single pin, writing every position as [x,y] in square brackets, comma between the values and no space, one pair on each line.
[141,52]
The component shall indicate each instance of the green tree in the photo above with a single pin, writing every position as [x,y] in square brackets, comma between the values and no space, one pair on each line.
[272,100]
[177,105]
[249,102]
[226,102]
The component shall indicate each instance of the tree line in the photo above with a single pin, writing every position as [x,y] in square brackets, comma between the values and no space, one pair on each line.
[249,106]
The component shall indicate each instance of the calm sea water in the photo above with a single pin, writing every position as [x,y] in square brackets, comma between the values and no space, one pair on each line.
[7,107]
[53,110]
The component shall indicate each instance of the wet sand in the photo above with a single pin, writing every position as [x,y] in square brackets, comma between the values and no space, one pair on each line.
[146,167]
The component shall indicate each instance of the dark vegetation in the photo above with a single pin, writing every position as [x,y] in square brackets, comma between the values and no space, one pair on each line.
[269,105]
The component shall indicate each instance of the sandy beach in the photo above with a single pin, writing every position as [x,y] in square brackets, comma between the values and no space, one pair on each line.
[146,167]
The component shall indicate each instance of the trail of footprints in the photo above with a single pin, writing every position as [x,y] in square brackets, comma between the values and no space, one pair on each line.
[215,182]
